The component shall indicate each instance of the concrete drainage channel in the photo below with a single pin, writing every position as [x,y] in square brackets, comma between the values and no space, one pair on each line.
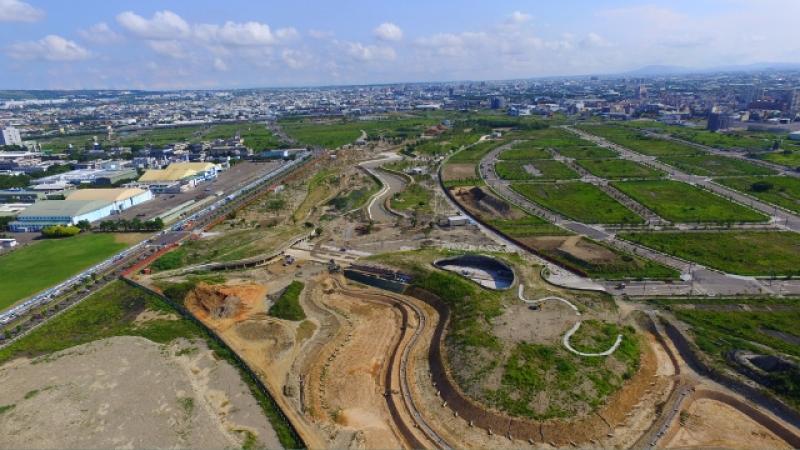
[574,329]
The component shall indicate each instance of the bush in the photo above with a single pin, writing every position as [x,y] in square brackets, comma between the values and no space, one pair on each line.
[761,186]
[59,231]
[288,304]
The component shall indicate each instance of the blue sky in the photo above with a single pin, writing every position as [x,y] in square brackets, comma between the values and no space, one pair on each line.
[148,44]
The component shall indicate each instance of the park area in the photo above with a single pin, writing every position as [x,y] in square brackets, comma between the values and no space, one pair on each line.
[618,169]
[756,253]
[542,169]
[715,165]
[46,263]
[637,142]
[778,190]
[579,201]
[681,203]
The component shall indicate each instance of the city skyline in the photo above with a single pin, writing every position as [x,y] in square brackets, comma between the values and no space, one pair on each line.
[171,45]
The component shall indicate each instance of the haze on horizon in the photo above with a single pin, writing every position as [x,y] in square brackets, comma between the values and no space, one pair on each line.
[90,44]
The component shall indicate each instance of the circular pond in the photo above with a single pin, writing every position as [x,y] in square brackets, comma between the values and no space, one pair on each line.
[486,271]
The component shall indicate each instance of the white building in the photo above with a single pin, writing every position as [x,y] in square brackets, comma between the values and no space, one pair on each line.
[10,136]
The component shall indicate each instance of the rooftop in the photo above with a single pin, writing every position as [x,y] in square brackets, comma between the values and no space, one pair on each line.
[62,208]
[111,195]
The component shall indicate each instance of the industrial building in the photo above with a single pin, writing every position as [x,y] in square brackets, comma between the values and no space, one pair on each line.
[10,136]
[121,198]
[20,196]
[84,204]
[179,177]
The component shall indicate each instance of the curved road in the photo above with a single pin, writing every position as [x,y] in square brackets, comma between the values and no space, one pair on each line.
[392,183]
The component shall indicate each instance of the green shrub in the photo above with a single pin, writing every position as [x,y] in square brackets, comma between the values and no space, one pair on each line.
[288,304]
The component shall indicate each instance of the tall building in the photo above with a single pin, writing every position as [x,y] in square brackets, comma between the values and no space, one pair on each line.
[794,101]
[498,103]
[10,136]
[718,120]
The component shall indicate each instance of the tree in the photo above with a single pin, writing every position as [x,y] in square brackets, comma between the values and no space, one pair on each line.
[761,186]
[84,225]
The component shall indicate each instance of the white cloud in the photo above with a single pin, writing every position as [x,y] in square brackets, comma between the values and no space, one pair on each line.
[594,40]
[220,65]
[519,17]
[388,31]
[286,34]
[173,49]
[49,48]
[320,34]
[100,33]
[18,11]
[295,59]
[363,52]
[165,25]
[236,34]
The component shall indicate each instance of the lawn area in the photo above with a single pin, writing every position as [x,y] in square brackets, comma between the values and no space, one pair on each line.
[632,139]
[680,202]
[587,152]
[112,312]
[579,201]
[788,158]
[525,150]
[618,168]
[719,332]
[413,197]
[715,165]
[778,190]
[45,263]
[740,252]
[447,142]
[542,169]
[475,153]
[287,306]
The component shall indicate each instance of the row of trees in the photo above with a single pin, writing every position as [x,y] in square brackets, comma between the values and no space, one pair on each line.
[131,225]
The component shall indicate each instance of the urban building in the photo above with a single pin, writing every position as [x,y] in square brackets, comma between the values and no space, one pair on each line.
[121,198]
[10,136]
[60,212]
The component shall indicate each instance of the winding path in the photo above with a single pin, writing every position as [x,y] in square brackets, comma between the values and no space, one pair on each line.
[376,208]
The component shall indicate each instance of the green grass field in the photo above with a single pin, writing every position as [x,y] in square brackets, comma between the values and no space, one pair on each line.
[579,201]
[740,252]
[446,143]
[778,190]
[525,150]
[287,306]
[542,169]
[632,139]
[30,269]
[680,202]
[714,165]
[587,152]
[476,152]
[788,158]
[526,226]
[413,198]
[618,168]
[338,132]
[255,135]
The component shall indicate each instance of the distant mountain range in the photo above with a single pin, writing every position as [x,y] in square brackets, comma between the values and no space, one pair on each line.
[655,70]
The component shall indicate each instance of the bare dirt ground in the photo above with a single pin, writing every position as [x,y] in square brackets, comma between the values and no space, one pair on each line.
[129,392]
[458,172]
[489,204]
[709,423]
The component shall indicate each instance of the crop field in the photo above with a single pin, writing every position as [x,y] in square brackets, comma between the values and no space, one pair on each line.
[543,169]
[680,202]
[714,165]
[720,331]
[763,253]
[579,201]
[40,265]
[525,150]
[618,168]
[335,133]
[637,142]
[778,190]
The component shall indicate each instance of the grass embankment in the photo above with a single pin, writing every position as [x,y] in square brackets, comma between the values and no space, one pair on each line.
[760,329]
[30,269]
[781,191]
[542,169]
[618,168]
[318,190]
[579,201]
[680,202]
[287,306]
[763,253]
[112,312]
[414,197]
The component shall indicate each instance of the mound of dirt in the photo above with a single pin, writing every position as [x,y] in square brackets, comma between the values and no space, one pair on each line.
[484,204]
[224,302]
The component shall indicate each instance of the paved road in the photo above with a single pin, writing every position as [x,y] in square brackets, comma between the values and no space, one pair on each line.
[391,184]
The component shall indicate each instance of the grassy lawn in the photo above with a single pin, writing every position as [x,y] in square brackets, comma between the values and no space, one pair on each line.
[30,269]
[543,169]
[446,143]
[525,150]
[413,197]
[587,152]
[719,332]
[740,252]
[714,165]
[618,168]
[781,191]
[579,201]
[111,312]
[680,202]
[788,158]
[632,139]
[287,306]
[475,153]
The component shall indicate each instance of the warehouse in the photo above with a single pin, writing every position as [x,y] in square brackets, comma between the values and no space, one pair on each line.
[121,198]
[179,176]
[60,212]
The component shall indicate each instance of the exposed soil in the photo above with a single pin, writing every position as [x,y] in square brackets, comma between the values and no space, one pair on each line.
[709,423]
[129,392]
[458,172]
[576,246]
[480,202]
